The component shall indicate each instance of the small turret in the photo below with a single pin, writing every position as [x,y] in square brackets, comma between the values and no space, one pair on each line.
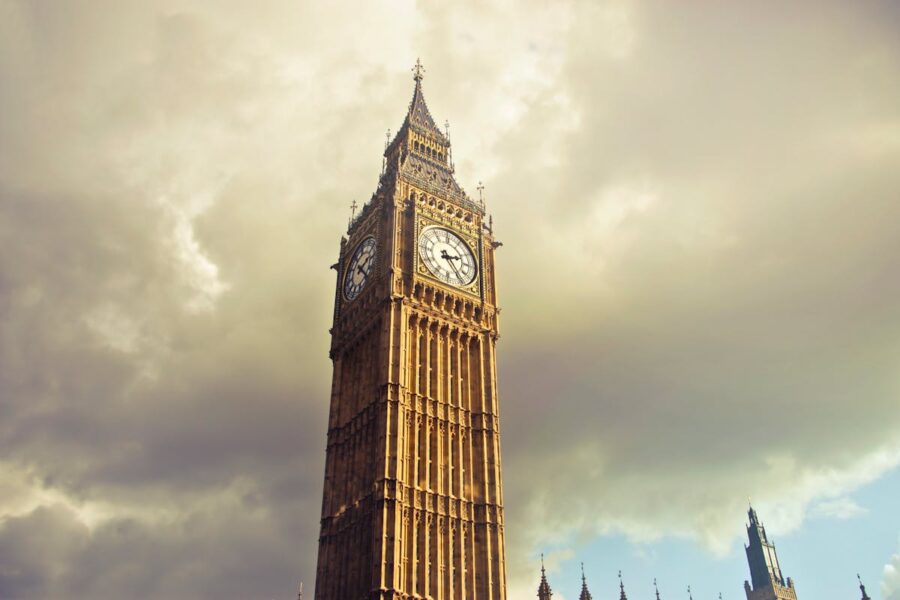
[544,592]
[585,594]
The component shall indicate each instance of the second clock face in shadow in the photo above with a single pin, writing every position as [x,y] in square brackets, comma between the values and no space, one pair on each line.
[359,269]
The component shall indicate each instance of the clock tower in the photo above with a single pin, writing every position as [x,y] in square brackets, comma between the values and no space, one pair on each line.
[412,503]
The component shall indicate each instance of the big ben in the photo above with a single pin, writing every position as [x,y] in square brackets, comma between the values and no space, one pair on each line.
[412,504]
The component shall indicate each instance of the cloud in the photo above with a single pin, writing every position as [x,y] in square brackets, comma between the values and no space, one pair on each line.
[838,508]
[890,582]
[697,276]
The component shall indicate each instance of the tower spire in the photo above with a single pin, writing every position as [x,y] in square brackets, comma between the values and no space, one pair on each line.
[656,587]
[765,570]
[622,595]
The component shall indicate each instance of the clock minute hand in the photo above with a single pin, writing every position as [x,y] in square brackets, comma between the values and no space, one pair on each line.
[450,259]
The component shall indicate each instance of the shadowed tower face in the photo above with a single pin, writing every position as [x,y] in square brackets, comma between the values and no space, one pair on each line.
[412,504]
[765,571]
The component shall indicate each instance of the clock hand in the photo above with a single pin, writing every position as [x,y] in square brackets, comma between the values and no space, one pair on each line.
[450,260]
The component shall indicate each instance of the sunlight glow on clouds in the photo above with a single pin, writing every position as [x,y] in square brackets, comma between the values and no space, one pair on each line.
[698,277]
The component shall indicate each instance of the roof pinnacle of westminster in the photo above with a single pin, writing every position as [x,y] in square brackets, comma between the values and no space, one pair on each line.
[544,592]
[862,588]
[622,595]
[585,594]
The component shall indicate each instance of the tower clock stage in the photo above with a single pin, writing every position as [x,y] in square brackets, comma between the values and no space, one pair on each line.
[412,504]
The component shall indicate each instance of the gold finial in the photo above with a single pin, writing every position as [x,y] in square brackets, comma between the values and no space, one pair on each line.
[387,142]
[353,207]
[418,71]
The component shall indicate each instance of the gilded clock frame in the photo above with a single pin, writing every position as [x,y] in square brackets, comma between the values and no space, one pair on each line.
[472,241]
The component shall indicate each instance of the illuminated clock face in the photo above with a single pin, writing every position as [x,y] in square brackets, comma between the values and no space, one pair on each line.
[447,256]
[359,269]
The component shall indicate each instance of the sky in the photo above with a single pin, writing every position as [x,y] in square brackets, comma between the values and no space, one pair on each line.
[699,279]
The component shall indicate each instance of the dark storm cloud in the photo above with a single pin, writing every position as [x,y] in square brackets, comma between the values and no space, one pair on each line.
[698,278]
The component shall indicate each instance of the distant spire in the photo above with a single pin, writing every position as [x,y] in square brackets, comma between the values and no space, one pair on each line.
[656,587]
[690,595]
[300,594]
[862,588]
[544,592]
[762,557]
[585,594]
[622,595]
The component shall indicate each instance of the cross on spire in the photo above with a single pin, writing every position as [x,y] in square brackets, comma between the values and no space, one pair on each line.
[418,70]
